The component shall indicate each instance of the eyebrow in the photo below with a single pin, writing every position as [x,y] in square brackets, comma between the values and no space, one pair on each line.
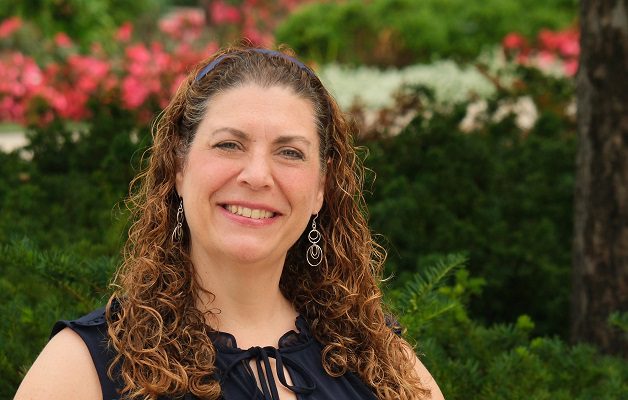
[235,132]
[282,139]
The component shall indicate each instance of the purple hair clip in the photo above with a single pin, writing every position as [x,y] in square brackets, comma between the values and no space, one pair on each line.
[219,59]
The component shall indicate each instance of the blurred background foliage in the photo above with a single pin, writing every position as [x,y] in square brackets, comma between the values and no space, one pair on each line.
[499,195]
[471,187]
[401,32]
[84,21]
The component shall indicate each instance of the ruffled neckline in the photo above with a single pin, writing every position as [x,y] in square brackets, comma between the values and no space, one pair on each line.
[291,340]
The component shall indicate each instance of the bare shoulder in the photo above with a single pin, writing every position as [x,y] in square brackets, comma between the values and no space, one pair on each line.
[427,380]
[63,370]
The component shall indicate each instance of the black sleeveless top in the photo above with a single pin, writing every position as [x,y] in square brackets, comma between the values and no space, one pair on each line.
[298,352]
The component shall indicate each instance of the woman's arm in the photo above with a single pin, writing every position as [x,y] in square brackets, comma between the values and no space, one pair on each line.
[427,380]
[63,370]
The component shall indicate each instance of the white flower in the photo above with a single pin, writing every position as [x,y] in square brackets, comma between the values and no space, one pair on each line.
[375,89]
[526,113]
[523,108]
[475,116]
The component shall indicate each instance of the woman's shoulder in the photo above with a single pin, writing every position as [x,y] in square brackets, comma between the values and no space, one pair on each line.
[63,370]
[73,362]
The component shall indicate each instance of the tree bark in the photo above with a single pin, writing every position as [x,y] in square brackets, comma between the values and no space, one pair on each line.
[600,257]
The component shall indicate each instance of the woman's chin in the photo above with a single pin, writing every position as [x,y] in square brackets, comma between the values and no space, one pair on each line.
[248,255]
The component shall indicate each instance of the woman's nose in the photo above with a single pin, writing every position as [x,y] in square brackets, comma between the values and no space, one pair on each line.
[256,172]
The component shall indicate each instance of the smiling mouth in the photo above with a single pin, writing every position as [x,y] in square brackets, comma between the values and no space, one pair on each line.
[248,212]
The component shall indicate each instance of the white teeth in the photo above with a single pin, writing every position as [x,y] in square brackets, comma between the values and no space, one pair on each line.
[249,213]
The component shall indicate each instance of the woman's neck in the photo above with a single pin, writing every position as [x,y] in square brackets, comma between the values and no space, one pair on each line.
[246,300]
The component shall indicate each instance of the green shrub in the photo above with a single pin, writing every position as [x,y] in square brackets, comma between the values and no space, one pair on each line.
[502,195]
[400,32]
[498,362]
[66,195]
[60,228]
[85,21]
[37,288]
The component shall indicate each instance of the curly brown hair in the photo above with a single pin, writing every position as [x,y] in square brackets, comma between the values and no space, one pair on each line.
[159,335]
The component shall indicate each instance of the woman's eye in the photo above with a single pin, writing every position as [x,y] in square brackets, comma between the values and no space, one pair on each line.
[292,154]
[227,146]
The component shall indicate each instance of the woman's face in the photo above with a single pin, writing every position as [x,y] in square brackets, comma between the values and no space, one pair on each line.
[252,177]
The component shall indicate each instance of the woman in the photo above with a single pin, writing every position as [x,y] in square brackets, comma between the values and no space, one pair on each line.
[248,221]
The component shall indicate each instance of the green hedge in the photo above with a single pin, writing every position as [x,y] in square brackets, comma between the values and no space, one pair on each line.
[62,223]
[468,359]
[500,194]
[400,32]
[498,362]
[70,192]
[37,288]
[83,21]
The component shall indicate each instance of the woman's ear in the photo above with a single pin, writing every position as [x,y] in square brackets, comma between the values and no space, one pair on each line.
[179,180]
[320,195]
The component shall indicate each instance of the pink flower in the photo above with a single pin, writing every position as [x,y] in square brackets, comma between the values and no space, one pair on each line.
[569,47]
[88,72]
[10,25]
[549,40]
[257,37]
[546,59]
[555,52]
[76,105]
[223,13]
[570,67]
[514,41]
[124,32]
[7,106]
[291,4]
[183,25]
[193,17]
[138,53]
[62,40]
[31,75]
[210,48]
[148,72]
[58,102]
[20,77]
[169,26]
[134,92]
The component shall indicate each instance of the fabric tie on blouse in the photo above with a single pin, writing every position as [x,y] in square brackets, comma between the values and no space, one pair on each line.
[267,381]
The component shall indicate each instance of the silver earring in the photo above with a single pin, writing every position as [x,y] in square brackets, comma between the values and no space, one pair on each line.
[314,253]
[177,232]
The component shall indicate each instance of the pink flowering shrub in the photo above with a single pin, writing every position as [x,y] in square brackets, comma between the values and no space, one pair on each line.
[20,78]
[124,32]
[253,20]
[151,74]
[137,71]
[140,77]
[10,25]
[556,52]
[60,87]
[184,26]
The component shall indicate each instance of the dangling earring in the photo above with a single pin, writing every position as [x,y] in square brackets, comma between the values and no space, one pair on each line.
[177,232]
[314,254]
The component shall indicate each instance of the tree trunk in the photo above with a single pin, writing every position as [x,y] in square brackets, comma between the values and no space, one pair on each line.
[600,257]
